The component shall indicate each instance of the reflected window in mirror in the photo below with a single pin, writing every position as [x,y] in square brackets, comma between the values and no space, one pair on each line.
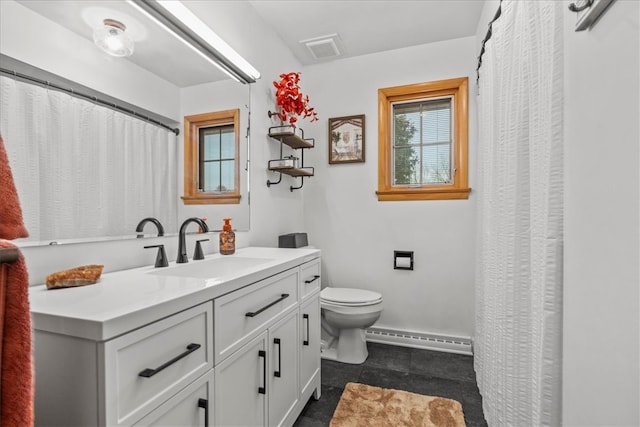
[212,158]
[216,159]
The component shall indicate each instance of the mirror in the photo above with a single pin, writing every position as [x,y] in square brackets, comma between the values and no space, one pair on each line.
[195,86]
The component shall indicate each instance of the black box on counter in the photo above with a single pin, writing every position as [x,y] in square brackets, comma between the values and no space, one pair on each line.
[292,240]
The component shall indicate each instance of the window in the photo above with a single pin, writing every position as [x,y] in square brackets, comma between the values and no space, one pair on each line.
[211,158]
[422,141]
[216,159]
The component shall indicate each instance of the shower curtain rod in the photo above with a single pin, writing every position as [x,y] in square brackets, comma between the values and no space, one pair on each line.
[486,39]
[9,255]
[92,98]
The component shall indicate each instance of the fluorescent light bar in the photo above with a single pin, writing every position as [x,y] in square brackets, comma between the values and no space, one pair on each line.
[188,28]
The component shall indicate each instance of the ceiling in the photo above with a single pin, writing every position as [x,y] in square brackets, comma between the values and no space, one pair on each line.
[366,27]
[362,27]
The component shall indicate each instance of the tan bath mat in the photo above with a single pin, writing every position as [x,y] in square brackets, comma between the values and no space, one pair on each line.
[367,406]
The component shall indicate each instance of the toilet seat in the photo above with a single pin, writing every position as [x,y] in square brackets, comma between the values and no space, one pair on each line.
[349,297]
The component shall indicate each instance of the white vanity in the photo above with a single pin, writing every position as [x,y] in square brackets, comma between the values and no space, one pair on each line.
[229,341]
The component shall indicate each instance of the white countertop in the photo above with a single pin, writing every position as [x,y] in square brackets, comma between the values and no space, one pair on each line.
[125,300]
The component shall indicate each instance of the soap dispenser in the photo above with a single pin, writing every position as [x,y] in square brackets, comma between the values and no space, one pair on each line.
[227,238]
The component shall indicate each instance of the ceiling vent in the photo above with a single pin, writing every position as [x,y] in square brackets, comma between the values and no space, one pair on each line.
[324,47]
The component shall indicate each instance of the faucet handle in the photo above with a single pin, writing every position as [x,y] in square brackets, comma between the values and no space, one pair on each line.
[197,253]
[161,257]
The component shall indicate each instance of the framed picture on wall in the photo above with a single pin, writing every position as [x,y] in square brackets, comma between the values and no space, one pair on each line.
[346,139]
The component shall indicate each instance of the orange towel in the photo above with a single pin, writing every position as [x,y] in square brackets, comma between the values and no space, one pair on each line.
[16,358]
[11,224]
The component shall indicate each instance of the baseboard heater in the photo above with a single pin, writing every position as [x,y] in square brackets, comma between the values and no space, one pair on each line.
[449,344]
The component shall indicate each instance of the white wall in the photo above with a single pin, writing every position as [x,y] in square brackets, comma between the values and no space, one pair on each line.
[602,239]
[356,232]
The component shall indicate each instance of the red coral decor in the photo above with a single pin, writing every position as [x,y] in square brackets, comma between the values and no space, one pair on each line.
[291,101]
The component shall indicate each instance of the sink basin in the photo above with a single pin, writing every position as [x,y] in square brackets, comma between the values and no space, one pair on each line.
[211,268]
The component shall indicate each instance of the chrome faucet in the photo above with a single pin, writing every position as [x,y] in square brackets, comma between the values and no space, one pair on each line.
[152,220]
[182,249]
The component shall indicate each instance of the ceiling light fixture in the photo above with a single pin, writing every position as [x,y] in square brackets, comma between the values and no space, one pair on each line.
[111,38]
[176,18]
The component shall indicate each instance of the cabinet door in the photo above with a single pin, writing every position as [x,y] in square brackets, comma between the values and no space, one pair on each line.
[283,373]
[192,407]
[241,386]
[309,343]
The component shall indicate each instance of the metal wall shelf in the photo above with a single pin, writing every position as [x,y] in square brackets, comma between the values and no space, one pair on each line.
[294,138]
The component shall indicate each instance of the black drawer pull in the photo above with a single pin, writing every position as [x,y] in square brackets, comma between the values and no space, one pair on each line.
[263,389]
[279,371]
[306,342]
[204,404]
[149,372]
[315,277]
[255,313]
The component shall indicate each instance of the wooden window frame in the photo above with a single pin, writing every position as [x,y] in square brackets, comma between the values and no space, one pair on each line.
[192,196]
[456,88]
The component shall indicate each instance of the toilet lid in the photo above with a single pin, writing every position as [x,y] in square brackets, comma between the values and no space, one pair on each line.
[350,296]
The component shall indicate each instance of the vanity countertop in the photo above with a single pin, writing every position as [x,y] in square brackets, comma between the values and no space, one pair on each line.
[125,300]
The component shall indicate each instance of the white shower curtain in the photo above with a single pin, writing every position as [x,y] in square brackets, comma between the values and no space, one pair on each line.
[83,170]
[518,339]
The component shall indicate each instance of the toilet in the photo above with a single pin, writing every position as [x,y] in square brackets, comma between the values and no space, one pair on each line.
[346,313]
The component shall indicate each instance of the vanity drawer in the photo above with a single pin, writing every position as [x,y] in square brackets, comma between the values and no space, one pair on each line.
[242,314]
[148,366]
[309,278]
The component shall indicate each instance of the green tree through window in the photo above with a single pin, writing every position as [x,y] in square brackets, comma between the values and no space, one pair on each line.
[405,158]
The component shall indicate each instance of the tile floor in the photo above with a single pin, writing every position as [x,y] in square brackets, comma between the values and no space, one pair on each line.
[427,372]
